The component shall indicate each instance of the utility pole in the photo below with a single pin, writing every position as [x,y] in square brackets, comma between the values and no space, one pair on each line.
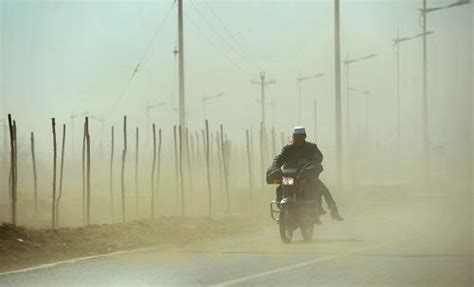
[347,63]
[338,114]
[262,82]
[300,80]
[425,10]
[349,155]
[425,98]
[396,48]
[182,106]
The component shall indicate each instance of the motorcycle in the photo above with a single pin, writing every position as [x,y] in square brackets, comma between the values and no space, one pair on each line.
[294,211]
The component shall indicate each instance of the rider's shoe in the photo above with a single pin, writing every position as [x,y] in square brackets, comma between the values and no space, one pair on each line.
[335,215]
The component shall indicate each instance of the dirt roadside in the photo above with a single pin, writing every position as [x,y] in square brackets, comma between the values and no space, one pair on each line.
[20,247]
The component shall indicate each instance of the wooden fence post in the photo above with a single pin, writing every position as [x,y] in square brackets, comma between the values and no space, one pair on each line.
[13,170]
[208,169]
[88,178]
[53,201]
[199,161]
[61,172]
[176,165]
[15,195]
[153,173]
[158,171]
[225,167]
[35,176]
[122,174]
[188,159]
[84,174]
[111,174]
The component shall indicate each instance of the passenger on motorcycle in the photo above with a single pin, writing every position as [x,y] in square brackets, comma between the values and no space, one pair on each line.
[306,157]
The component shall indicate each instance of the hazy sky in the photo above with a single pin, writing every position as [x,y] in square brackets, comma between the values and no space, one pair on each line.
[64,57]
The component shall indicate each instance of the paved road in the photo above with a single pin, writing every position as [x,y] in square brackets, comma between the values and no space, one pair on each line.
[425,240]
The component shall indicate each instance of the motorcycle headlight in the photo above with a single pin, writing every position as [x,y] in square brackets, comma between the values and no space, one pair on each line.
[288,181]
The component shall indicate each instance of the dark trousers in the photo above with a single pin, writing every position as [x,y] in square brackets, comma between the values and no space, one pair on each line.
[313,190]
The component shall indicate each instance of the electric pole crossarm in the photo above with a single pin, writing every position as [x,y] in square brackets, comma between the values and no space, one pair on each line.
[426,10]
[350,61]
[398,40]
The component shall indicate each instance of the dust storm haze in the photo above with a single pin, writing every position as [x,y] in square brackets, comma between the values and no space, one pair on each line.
[405,172]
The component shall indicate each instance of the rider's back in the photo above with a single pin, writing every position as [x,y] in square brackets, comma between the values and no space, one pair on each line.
[296,156]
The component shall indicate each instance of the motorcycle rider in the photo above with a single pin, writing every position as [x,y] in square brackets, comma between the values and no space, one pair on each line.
[305,154]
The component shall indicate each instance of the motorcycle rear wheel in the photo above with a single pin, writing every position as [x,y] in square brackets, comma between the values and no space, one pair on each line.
[286,231]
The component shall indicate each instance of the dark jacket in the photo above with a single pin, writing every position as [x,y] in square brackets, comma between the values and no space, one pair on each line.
[305,157]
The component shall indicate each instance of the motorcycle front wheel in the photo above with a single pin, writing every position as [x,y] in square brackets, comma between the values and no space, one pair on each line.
[286,231]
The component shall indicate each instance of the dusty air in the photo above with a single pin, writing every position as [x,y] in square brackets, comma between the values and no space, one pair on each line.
[236,143]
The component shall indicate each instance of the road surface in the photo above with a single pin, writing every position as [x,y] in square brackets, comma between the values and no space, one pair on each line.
[421,240]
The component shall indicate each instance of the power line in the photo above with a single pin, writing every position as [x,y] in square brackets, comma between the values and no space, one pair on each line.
[193,24]
[225,42]
[144,55]
[158,30]
[229,33]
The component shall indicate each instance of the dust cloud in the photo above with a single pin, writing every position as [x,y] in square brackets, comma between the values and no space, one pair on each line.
[106,60]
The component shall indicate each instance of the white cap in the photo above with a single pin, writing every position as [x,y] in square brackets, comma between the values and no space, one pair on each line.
[299,130]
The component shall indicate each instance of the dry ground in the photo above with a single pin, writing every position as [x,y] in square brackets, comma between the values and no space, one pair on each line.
[21,247]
